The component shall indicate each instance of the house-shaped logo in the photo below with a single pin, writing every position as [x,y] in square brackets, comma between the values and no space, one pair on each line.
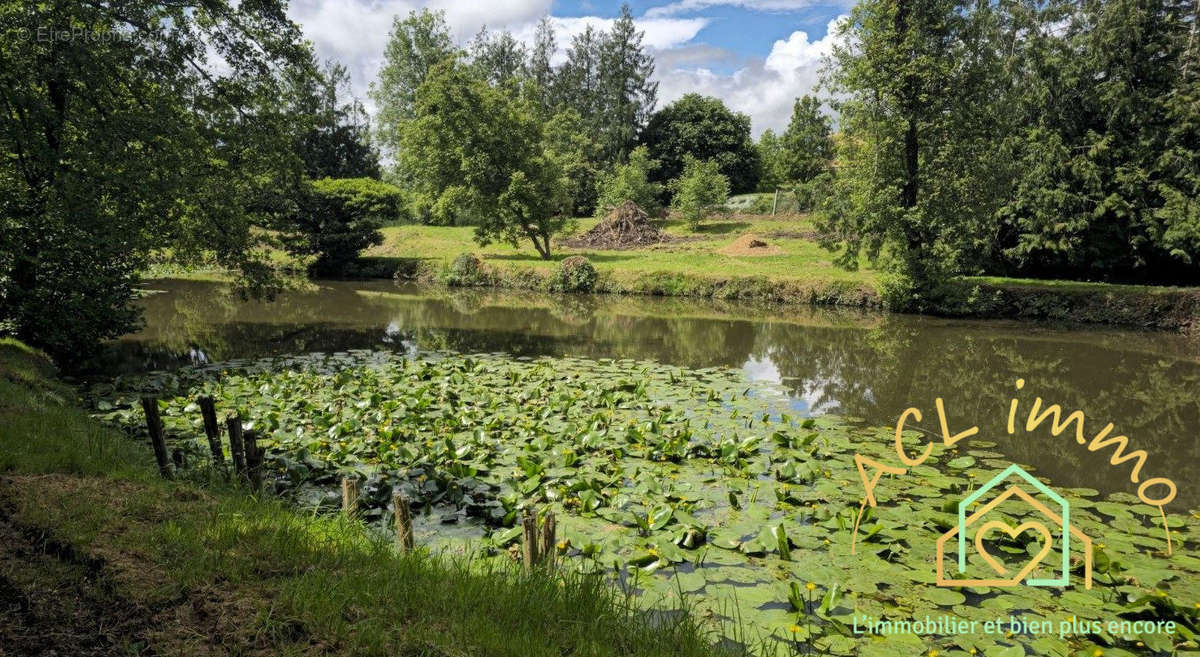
[1057,526]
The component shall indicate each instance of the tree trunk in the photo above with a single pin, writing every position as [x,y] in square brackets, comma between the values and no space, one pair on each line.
[542,245]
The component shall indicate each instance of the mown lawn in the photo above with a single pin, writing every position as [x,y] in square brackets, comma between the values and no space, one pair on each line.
[692,253]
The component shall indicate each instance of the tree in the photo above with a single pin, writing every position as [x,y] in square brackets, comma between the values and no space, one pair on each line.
[700,191]
[770,157]
[126,138]
[627,95]
[916,124]
[807,147]
[1099,192]
[499,59]
[417,44]
[705,129]
[339,218]
[577,84]
[475,150]
[540,70]
[632,181]
[338,142]
[570,143]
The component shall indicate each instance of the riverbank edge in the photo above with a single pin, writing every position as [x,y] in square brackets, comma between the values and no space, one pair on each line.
[1169,309]
[195,565]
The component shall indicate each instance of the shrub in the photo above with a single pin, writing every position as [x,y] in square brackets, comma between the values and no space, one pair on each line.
[466,271]
[700,191]
[338,218]
[574,274]
[631,182]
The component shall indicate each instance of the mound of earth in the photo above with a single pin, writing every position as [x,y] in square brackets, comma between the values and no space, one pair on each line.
[626,227]
[751,245]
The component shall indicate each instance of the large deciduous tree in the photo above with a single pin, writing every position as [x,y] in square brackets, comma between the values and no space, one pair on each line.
[128,127]
[704,128]
[476,151]
[417,43]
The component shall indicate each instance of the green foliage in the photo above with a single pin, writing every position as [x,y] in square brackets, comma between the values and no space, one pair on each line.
[770,155]
[806,148]
[574,274]
[339,218]
[1049,140]
[569,142]
[474,150]
[703,128]
[498,58]
[465,271]
[632,181]
[337,142]
[910,191]
[607,79]
[127,138]
[699,191]
[416,44]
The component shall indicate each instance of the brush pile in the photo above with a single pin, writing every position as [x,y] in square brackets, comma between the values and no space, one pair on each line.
[626,227]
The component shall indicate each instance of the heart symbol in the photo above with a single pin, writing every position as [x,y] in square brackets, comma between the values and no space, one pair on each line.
[1013,532]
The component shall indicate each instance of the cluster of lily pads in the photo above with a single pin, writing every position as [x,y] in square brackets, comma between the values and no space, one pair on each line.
[690,487]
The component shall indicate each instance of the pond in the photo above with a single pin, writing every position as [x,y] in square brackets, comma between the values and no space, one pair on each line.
[710,451]
[864,365]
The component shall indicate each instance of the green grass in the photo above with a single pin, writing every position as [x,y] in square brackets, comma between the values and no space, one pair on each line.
[276,581]
[694,255]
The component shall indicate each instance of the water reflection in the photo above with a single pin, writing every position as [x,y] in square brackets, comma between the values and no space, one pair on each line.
[865,365]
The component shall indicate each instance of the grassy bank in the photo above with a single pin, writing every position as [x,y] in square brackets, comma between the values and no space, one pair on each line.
[692,265]
[102,557]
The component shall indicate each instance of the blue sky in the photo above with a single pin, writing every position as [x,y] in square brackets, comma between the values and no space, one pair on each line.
[756,55]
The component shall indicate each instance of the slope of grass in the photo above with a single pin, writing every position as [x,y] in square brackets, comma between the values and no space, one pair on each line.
[694,253]
[199,567]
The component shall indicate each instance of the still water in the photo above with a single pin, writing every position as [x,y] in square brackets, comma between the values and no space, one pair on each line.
[863,365]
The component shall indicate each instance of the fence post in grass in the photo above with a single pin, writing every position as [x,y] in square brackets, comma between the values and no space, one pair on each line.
[529,541]
[349,495]
[237,448]
[404,528]
[254,459]
[208,411]
[775,204]
[549,547]
[155,427]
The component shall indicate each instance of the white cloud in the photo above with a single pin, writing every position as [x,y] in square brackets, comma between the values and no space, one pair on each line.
[688,6]
[764,89]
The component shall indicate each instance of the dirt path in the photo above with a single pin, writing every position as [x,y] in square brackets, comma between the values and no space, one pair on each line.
[55,602]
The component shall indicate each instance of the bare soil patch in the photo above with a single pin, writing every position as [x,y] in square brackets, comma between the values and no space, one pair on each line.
[751,246]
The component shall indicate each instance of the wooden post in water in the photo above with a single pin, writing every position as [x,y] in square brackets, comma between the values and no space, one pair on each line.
[208,411]
[237,448]
[154,425]
[529,541]
[254,460]
[349,495]
[549,547]
[404,528]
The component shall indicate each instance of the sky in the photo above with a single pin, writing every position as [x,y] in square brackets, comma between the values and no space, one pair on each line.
[756,55]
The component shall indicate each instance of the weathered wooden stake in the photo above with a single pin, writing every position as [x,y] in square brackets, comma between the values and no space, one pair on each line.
[237,448]
[154,425]
[404,528]
[349,495]
[208,411]
[254,459]
[529,541]
[549,548]
[775,204]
